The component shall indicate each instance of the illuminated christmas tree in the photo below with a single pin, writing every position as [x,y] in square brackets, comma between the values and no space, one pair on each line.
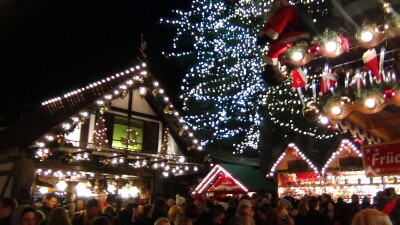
[224,96]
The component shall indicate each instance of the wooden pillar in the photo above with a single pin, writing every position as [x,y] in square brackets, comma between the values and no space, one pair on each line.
[23,172]
[156,186]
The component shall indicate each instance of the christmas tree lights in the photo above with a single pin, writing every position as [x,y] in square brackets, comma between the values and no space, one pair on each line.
[222,91]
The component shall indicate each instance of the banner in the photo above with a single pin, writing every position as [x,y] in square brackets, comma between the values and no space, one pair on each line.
[381,159]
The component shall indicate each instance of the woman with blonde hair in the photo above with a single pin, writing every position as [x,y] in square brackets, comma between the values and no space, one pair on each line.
[283,216]
[162,221]
[371,217]
[59,216]
[183,220]
[244,216]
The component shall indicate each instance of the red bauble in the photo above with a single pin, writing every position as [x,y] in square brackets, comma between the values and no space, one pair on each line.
[389,94]
[314,49]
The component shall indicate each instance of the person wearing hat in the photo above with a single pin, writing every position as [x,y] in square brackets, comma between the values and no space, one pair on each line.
[177,210]
[92,210]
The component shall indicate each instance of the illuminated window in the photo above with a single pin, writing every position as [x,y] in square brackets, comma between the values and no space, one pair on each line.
[127,134]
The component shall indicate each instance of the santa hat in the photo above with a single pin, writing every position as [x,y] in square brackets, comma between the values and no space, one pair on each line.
[327,81]
[299,79]
[371,62]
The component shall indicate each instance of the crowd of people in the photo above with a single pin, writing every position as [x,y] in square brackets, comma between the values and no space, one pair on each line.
[383,209]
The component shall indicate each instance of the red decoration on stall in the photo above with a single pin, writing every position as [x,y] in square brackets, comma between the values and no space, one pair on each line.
[299,178]
[225,183]
[314,49]
[381,159]
[389,94]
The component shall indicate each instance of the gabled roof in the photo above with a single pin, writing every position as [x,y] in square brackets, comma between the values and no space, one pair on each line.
[60,109]
[243,179]
[291,153]
[345,149]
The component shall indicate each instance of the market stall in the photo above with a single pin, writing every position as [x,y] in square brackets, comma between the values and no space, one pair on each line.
[344,174]
[120,134]
[233,180]
[296,175]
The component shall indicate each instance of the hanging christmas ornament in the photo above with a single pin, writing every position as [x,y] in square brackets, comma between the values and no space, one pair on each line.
[311,111]
[60,139]
[328,80]
[299,78]
[154,92]
[345,100]
[82,120]
[370,60]
[124,93]
[168,110]
[388,94]
[314,49]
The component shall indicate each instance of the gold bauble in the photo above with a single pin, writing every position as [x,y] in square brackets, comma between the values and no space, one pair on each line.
[311,111]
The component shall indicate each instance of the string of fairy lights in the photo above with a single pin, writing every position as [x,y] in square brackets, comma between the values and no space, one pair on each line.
[136,78]
[222,85]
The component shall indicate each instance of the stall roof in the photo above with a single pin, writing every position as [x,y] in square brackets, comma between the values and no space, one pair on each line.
[292,153]
[247,178]
[57,110]
[346,149]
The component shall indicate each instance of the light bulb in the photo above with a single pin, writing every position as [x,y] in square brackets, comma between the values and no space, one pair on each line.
[370,103]
[366,35]
[297,56]
[336,110]
[324,120]
[331,46]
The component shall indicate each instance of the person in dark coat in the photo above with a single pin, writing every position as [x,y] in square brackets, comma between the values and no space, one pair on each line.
[160,209]
[353,207]
[214,216]
[92,210]
[392,207]
[314,216]
[7,207]
[330,215]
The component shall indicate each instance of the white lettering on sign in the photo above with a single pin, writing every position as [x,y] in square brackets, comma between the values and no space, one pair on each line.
[388,158]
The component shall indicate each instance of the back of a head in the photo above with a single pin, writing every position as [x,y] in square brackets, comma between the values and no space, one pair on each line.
[91,203]
[183,220]
[313,203]
[49,196]
[216,210]
[110,210]
[243,210]
[100,220]
[162,221]
[160,205]
[302,208]
[371,217]
[389,192]
[8,202]
[59,216]
[147,208]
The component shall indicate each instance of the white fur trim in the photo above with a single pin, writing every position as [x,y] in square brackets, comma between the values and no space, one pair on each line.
[369,55]
[270,33]
[271,61]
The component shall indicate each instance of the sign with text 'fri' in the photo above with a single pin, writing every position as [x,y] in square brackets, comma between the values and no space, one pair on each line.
[381,159]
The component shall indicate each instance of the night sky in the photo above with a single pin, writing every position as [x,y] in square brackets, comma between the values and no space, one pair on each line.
[50,47]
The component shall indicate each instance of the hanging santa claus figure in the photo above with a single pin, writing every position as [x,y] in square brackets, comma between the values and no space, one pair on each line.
[288,25]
